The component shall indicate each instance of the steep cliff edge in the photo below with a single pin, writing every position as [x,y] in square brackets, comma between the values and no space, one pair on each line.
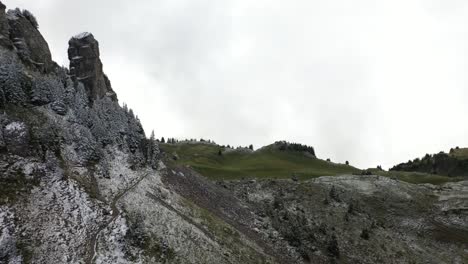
[86,66]
[81,183]
[58,149]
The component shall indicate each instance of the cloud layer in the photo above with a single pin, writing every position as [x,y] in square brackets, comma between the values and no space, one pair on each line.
[372,83]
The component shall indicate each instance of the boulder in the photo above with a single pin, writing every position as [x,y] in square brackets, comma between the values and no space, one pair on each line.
[59,108]
[86,67]
[30,45]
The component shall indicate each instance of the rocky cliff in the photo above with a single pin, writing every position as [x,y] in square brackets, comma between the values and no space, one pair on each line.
[81,183]
[86,66]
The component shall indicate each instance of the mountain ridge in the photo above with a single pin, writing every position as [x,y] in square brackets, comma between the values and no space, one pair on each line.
[81,183]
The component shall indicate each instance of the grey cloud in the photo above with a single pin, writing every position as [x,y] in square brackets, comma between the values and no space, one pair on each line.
[372,82]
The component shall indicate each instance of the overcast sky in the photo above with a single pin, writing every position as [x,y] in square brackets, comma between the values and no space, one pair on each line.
[372,82]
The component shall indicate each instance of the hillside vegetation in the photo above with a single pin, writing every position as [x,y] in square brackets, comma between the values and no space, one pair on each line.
[452,164]
[273,162]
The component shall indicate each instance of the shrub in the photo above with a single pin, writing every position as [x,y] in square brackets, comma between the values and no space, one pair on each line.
[333,248]
[294,177]
[365,234]
[284,145]
[366,172]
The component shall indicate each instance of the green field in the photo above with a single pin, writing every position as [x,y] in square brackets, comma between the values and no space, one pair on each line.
[270,163]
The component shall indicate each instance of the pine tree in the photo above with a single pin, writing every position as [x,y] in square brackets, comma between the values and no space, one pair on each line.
[162,140]
[251,147]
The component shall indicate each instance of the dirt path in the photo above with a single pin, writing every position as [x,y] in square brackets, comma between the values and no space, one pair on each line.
[115,213]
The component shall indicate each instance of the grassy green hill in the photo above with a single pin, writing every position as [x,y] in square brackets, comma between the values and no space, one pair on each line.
[268,162]
[271,162]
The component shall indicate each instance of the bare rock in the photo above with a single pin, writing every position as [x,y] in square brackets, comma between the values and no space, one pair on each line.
[86,66]
[29,43]
[59,108]
[4,28]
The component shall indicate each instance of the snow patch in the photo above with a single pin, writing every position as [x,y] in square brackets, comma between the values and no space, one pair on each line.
[82,78]
[15,126]
[82,35]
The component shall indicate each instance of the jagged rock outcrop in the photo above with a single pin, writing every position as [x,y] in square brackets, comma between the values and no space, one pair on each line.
[58,152]
[4,28]
[86,66]
[28,41]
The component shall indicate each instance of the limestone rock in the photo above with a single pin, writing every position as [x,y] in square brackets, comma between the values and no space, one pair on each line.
[30,45]
[86,66]
[4,28]
[59,108]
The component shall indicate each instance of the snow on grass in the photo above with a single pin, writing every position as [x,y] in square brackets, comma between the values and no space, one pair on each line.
[7,237]
[111,249]
[160,213]
[16,127]
[121,176]
[61,215]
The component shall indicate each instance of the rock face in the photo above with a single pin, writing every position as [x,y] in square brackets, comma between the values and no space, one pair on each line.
[86,66]
[4,27]
[25,36]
